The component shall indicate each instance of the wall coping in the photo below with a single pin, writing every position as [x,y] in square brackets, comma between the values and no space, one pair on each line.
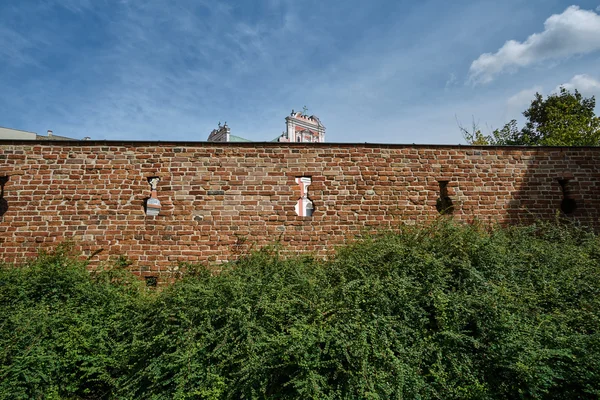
[171,143]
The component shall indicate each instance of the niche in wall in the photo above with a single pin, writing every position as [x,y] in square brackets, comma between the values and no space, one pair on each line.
[304,206]
[151,281]
[568,205]
[152,204]
[444,202]
[3,202]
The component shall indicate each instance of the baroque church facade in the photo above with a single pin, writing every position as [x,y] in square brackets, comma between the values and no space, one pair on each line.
[300,128]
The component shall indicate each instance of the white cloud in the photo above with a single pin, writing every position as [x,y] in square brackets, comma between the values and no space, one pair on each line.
[585,84]
[523,99]
[451,80]
[573,32]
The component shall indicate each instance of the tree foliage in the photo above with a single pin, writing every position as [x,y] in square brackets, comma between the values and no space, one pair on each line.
[444,311]
[562,119]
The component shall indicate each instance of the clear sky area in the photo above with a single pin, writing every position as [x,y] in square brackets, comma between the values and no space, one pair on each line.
[373,71]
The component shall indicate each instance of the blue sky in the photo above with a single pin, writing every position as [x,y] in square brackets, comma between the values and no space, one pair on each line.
[373,71]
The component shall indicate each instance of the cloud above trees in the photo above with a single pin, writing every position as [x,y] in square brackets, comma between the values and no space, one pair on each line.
[585,84]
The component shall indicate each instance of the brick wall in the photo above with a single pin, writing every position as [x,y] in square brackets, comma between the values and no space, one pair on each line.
[219,200]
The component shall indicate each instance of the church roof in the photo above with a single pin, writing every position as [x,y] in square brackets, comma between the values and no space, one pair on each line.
[234,138]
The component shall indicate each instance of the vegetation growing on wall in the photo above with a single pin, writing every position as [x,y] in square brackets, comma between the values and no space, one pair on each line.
[445,311]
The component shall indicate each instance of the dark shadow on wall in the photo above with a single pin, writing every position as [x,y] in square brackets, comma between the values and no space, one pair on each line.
[3,202]
[145,204]
[558,183]
[444,204]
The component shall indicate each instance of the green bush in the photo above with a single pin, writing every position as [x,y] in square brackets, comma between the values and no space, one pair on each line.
[443,311]
[64,333]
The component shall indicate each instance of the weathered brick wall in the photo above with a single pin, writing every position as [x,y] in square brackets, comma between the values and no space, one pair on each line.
[219,200]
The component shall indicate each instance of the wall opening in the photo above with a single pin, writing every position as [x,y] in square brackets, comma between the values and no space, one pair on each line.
[151,281]
[568,205]
[152,204]
[304,207]
[3,202]
[444,202]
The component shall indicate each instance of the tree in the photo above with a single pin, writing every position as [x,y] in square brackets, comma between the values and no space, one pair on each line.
[562,119]
[474,136]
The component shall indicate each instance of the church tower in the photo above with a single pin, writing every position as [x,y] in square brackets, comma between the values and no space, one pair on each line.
[303,128]
[222,134]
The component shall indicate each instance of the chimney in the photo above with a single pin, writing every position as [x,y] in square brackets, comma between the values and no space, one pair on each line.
[49,133]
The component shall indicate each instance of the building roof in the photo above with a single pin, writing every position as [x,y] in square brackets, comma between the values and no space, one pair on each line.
[53,137]
[234,138]
[9,133]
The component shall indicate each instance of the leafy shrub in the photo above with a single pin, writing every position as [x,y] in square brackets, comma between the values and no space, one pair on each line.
[443,311]
[63,331]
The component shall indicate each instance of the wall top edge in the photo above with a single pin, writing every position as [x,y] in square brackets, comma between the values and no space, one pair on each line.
[88,143]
